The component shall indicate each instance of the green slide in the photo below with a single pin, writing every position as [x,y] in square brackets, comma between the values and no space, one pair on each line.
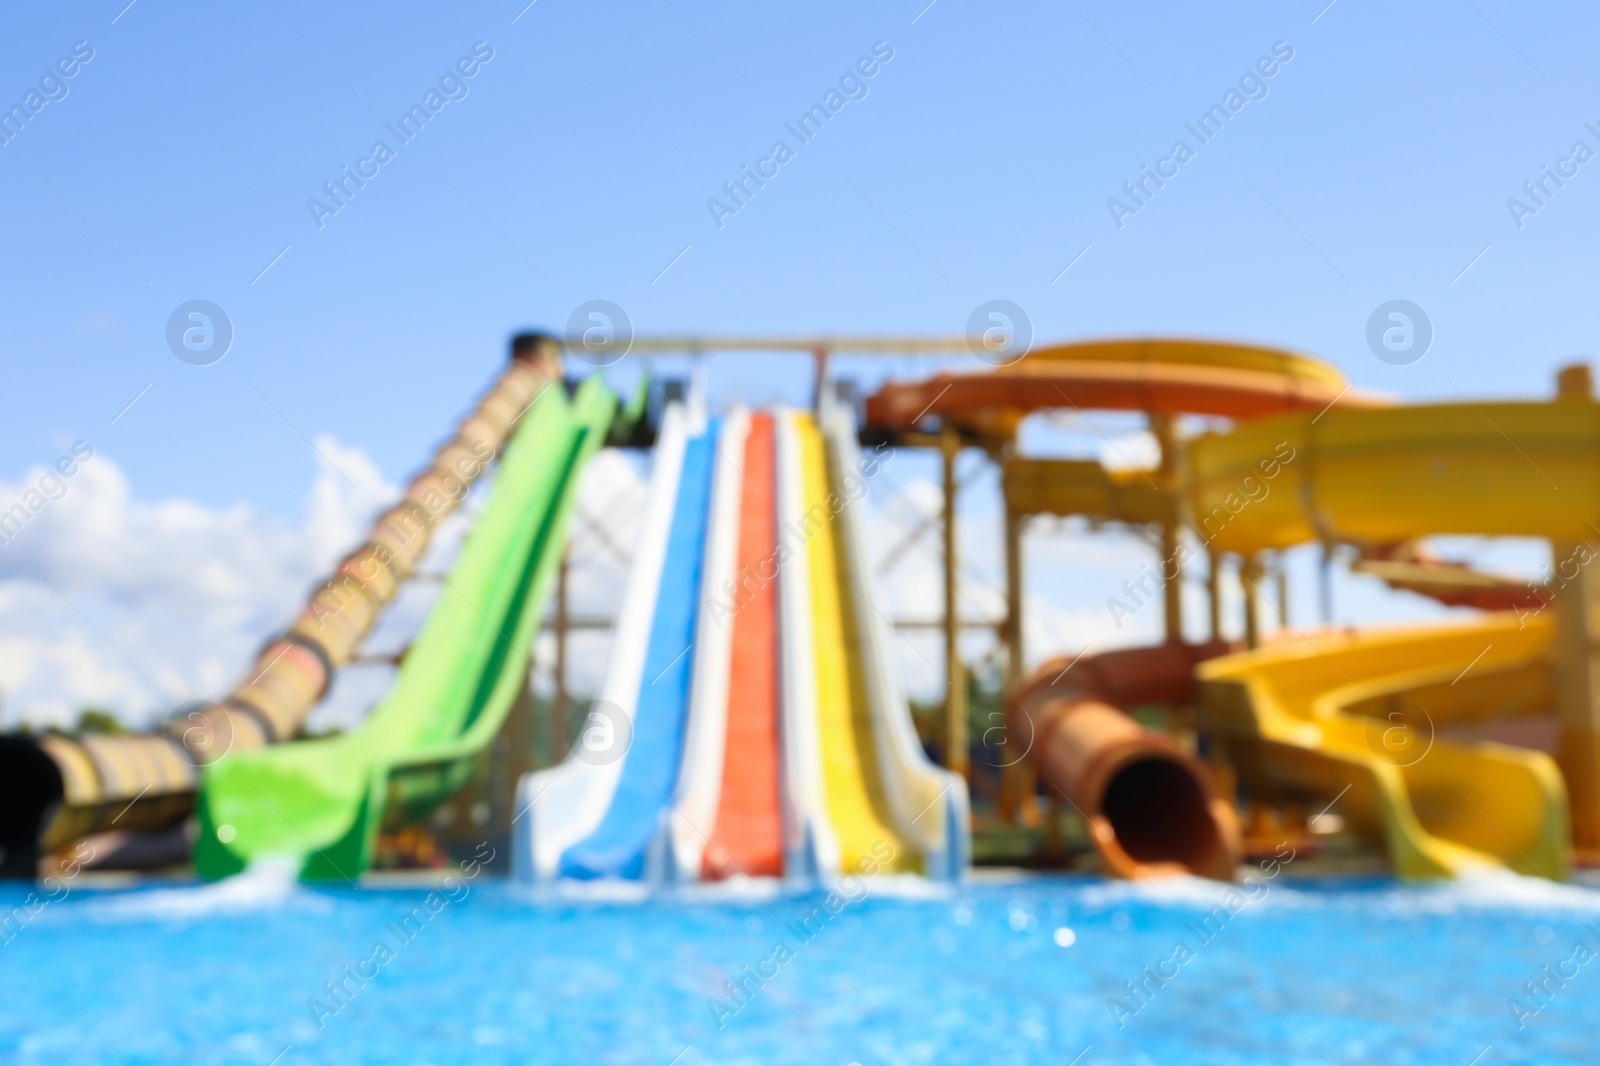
[318,804]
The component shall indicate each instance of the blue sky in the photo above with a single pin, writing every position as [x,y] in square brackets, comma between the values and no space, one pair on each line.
[580,160]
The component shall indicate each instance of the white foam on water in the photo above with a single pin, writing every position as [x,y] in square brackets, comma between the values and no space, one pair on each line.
[265,886]
[1194,892]
[765,889]
[907,886]
[732,890]
[1481,891]
[568,890]
[1489,890]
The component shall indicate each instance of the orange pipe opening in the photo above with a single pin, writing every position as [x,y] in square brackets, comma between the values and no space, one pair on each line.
[1150,807]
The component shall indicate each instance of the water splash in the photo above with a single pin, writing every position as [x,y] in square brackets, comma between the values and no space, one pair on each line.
[266,885]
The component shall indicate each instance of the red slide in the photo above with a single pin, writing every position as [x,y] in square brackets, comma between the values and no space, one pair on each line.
[748,836]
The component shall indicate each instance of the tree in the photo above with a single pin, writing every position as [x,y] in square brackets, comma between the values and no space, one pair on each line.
[95,720]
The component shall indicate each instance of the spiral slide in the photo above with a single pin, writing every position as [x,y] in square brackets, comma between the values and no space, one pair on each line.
[319,804]
[750,724]
[1356,717]
[1313,718]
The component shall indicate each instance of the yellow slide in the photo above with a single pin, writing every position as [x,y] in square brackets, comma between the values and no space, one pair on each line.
[852,783]
[1361,719]
[1357,716]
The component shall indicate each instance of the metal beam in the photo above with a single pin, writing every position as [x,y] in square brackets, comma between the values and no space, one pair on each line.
[927,522]
[856,345]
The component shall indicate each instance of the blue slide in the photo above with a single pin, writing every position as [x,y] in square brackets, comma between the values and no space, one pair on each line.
[617,846]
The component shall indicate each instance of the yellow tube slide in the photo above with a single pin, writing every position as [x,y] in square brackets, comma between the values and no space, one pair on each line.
[1363,719]
[1356,716]
[1390,474]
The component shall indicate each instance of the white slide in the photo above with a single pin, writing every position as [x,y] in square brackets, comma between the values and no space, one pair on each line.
[687,822]
[811,851]
[928,805]
[564,804]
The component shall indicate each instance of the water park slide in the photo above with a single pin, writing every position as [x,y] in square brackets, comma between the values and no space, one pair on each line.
[718,780]
[1354,716]
[1160,376]
[725,819]
[857,777]
[747,832]
[61,788]
[811,847]
[1384,476]
[320,804]
[853,805]
[1148,805]
[598,812]
[929,806]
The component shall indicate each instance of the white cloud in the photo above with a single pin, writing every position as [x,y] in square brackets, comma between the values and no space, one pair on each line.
[135,606]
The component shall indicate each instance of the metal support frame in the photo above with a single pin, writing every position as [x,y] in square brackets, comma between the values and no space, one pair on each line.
[955,706]
[1250,578]
[1171,582]
[558,699]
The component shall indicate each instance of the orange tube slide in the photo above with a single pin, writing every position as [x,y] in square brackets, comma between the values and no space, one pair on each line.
[1157,376]
[748,835]
[1150,807]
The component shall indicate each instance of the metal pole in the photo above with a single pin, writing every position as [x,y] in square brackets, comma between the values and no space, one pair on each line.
[955,708]
[1214,591]
[516,756]
[1017,805]
[819,357]
[1578,657]
[1325,583]
[558,699]
[1250,579]
[1171,571]
[1283,590]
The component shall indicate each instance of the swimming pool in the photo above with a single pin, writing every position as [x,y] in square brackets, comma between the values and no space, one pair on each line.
[999,970]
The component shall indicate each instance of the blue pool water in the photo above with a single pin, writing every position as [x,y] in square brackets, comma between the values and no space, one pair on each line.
[1367,972]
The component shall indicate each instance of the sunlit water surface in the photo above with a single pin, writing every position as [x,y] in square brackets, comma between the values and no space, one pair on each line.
[1030,970]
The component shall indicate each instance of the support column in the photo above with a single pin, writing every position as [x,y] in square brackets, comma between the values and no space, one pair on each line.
[1578,671]
[1017,805]
[1325,583]
[1010,768]
[1281,573]
[516,757]
[1171,583]
[1013,631]
[1214,592]
[1171,571]
[1250,579]
[955,707]
[557,738]
[1578,659]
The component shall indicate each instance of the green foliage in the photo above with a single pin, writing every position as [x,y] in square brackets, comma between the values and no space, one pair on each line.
[303,733]
[986,700]
[96,720]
